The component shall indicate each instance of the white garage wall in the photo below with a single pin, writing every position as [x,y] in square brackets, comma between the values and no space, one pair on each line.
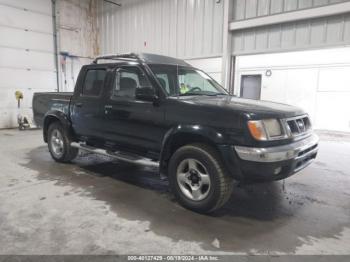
[27,60]
[211,66]
[316,81]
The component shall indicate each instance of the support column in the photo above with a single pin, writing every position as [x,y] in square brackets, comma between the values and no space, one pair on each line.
[56,40]
[226,45]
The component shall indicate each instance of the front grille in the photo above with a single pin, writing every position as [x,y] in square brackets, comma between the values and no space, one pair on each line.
[299,125]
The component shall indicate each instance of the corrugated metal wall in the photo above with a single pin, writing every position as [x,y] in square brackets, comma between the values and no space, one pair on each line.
[316,33]
[306,34]
[244,9]
[180,28]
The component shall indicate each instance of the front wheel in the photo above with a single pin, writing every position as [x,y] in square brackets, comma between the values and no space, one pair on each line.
[59,144]
[198,178]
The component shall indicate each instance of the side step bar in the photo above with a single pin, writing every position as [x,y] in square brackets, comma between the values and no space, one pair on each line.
[117,155]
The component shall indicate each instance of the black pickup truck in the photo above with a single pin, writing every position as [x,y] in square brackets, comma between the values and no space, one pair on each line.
[158,110]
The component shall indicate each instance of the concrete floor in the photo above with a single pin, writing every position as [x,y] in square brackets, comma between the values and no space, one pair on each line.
[95,206]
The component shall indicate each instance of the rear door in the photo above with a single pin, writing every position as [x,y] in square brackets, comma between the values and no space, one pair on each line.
[86,104]
[127,121]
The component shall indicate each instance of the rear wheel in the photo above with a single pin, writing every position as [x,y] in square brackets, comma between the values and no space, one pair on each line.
[59,144]
[198,178]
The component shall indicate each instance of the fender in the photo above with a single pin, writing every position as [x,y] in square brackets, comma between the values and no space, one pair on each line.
[180,133]
[56,115]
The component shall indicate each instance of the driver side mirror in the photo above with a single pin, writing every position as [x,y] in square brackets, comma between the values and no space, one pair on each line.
[146,93]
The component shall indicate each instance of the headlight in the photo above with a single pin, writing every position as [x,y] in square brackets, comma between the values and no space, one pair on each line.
[273,127]
[268,129]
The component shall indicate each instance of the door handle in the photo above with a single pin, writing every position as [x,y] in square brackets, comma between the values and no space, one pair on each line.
[108,108]
[78,104]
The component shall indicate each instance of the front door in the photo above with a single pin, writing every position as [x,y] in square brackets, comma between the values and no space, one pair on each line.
[129,122]
[251,86]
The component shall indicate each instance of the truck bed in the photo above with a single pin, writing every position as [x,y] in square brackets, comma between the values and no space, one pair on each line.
[46,101]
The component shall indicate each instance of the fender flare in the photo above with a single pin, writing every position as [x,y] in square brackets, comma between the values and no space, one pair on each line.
[203,133]
[56,115]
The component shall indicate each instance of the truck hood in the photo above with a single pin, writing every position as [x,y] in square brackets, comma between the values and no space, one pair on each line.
[254,109]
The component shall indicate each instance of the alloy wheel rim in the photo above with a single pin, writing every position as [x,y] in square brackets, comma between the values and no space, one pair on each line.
[57,143]
[193,179]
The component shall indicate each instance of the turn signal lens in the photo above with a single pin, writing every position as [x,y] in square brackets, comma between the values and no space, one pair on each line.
[257,130]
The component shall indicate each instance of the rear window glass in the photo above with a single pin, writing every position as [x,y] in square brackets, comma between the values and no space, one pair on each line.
[94,81]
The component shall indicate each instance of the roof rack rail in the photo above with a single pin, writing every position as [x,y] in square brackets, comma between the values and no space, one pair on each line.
[142,58]
[126,56]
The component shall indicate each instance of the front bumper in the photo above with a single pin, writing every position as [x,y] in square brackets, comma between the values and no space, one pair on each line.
[295,151]
[274,163]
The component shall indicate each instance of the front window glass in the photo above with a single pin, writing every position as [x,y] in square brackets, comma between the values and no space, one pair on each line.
[183,81]
[127,80]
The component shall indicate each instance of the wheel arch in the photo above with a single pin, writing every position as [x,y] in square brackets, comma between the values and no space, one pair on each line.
[55,116]
[186,134]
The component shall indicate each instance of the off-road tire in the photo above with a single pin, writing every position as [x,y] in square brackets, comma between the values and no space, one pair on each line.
[68,152]
[221,182]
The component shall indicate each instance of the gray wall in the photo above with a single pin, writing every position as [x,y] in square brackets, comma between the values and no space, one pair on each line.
[299,35]
[309,34]
[244,9]
[180,28]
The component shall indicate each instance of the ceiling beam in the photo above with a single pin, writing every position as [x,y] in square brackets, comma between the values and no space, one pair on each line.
[292,16]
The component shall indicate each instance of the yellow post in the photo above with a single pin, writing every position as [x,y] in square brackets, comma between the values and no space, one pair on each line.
[19,96]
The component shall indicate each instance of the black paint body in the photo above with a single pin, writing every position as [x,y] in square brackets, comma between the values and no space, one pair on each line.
[155,129]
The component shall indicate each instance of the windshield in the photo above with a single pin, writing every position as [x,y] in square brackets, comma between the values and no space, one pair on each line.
[186,81]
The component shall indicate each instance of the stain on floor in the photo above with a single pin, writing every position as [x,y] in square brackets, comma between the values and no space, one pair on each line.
[100,206]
